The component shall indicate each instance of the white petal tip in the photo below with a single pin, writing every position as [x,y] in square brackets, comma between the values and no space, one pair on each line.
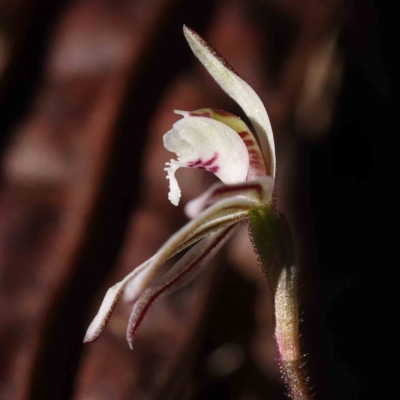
[194,207]
[191,211]
[99,322]
[174,200]
[190,33]
[86,339]
[174,194]
[91,335]
[183,113]
[134,288]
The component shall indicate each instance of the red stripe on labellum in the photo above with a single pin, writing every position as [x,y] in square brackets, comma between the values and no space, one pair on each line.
[248,142]
[194,163]
[211,160]
[207,165]
[243,134]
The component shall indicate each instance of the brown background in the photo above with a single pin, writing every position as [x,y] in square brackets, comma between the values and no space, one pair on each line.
[87,91]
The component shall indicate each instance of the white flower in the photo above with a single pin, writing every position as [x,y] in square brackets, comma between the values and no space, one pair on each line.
[221,143]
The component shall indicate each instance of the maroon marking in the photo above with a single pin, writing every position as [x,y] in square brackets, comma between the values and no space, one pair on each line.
[243,134]
[158,291]
[248,142]
[206,165]
[211,160]
[223,113]
[195,163]
[203,114]
[238,188]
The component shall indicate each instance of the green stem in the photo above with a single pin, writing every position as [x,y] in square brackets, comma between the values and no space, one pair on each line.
[274,245]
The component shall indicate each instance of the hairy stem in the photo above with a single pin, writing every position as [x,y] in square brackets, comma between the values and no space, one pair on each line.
[287,333]
[274,245]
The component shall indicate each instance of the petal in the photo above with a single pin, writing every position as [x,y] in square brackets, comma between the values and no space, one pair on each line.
[257,166]
[239,90]
[259,190]
[185,270]
[208,144]
[220,215]
[110,300]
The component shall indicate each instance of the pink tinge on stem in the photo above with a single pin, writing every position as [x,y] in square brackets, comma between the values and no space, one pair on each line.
[287,334]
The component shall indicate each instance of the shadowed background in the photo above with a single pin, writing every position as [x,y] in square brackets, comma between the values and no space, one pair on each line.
[87,90]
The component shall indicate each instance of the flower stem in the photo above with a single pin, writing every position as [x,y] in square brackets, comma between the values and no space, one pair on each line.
[274,244]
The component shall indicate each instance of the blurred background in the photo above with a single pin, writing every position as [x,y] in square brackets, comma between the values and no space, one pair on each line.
[87,90]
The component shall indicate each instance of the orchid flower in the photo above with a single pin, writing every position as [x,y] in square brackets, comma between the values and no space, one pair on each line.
[223,144]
